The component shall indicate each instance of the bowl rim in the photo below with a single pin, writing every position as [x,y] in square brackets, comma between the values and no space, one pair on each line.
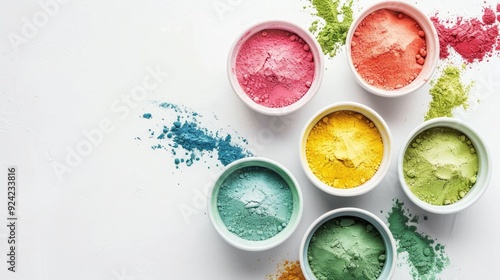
[269,243]
[484,170]
[286,25]
[385,233]
[385,135]
[430,35]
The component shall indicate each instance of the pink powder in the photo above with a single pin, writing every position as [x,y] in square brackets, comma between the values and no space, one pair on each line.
[498,16]
[489,16]
[275,68]
[471,38]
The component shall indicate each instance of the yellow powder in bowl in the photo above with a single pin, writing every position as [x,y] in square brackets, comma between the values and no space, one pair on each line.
[344,149]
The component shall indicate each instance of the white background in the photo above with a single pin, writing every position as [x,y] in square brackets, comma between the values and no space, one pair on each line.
[117,214]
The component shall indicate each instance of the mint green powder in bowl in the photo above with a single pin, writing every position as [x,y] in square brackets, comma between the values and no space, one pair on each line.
[348,243]
[255,204]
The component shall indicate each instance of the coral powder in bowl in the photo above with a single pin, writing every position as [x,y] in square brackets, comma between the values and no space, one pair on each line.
[392,49]
[275,67]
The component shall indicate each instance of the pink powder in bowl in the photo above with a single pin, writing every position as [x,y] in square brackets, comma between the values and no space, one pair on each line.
[275,67]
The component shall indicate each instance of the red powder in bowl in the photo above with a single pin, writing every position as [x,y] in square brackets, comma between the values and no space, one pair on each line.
[388,49]
[275,68]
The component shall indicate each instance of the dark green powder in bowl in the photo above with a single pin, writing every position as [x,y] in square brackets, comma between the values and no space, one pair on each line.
[346,248]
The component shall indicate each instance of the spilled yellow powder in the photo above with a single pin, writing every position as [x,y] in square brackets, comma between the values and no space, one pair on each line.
[344,149]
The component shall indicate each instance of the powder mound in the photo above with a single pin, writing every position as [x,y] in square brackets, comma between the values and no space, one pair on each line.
[440,166]
[288,270]
[275,68]
[472,39]
[448,92]
[255,203]
[426,260]
[346,248]
[344,149]
[489,16]
[182,132]
[331,33]
[388,49]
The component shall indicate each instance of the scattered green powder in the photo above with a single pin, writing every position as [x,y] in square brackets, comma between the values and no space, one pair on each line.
[331,34]
[424,258]
[440,165]
[448,93]
[346,248]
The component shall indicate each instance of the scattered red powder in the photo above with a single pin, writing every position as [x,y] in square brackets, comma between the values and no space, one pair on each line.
[472,38]
[498,11]
[388,49]
[275,68]
[489,16]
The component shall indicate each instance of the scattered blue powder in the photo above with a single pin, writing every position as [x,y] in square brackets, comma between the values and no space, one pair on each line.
[191,138]
[227,152]
[183,133]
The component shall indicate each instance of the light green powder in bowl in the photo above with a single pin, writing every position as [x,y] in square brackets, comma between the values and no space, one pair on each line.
[444,166]
[440,165]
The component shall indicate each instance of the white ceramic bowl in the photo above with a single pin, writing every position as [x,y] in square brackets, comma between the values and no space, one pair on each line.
[432,47]
[234,239]
[385,135]
[483,175]
[385,233]
[305,35]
